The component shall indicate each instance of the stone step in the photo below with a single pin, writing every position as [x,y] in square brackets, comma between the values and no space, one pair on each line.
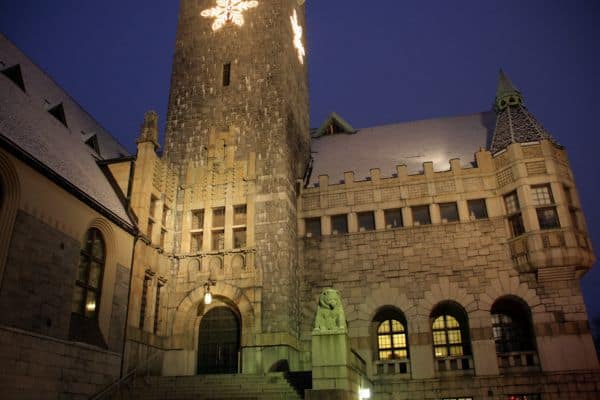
[273,386]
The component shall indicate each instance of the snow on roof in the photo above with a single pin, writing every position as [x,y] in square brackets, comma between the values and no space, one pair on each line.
[410,143]
[26,122]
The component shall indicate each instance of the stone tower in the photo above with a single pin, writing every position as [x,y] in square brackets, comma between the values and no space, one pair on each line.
[237,141]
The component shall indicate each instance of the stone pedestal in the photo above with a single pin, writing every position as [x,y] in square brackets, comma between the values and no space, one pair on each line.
[332,373]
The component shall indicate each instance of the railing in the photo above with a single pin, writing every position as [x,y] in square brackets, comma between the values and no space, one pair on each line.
[518,360]
[454,365]
[127,379]
[399,367]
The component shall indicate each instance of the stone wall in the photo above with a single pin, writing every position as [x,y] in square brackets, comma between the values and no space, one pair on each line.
[39,278]
[39,367]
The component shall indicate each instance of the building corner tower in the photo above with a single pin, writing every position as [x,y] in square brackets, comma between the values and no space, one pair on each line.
[237,139]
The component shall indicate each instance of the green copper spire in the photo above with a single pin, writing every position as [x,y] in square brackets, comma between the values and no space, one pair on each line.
[507,94]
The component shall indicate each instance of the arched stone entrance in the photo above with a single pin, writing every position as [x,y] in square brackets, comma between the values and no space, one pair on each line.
[219,342]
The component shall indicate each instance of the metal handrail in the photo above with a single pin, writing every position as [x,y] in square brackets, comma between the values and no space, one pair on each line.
[116,385]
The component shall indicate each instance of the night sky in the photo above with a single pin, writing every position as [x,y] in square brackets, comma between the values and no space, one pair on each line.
[373,62]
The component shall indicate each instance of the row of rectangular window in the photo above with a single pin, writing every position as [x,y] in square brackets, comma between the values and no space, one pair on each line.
[217,230]
[393,218]
[152,218]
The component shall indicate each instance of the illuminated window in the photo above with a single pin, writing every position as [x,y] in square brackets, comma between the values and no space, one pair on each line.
[393,218]
[457,398]
[450,331]
[313,227]
[86,298]
[339,224]
[513,209]
[449,212]
[547,216]
[391,334]
[511,324]
[366,221]
[477,209]
[524,397]
[391,340]
[421,215]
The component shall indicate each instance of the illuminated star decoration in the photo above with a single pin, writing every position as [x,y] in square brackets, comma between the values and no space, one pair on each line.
[298,31]
[228,11]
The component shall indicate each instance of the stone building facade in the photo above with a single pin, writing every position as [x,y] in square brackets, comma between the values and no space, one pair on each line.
[456,244]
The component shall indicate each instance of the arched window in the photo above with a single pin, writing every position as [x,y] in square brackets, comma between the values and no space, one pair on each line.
[511,323]
[86,297]
[391,335]
[450,330]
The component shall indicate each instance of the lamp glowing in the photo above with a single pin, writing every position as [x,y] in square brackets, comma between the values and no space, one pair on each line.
[207,297]
[90,306]
[364,393]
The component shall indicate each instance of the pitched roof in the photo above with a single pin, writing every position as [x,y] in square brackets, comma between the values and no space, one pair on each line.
[514,124]
[26,123]
[410,143]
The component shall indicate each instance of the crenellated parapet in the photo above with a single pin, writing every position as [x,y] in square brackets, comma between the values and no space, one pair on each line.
[553,230]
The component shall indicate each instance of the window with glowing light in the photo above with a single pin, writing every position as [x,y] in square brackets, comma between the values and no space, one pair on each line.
[86,297]
[524,397]
[85,303]
[450,331]
[391,334]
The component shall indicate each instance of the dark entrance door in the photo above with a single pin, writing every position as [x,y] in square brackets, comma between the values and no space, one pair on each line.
[219,342]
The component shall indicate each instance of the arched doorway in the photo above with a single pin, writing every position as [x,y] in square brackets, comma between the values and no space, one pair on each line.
[219,342]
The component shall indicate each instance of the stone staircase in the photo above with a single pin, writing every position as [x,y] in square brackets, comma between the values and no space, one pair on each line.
[273,386]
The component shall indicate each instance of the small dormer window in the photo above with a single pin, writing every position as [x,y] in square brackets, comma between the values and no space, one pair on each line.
[14,74]
[92,142]
[58,112]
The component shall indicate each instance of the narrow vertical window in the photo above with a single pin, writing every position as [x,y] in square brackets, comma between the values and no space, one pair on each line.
[218,229]
[159,287]
[513,209]
[144,300]
[240,216]
[197,233]
[226,74]
[86,298]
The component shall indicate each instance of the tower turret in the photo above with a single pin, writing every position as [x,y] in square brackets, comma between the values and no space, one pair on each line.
[514,123]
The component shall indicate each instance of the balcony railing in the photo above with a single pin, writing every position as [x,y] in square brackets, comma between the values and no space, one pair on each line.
[518,361]
[398,367]
[454,365]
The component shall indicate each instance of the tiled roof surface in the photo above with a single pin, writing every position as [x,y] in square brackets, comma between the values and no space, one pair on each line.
[25,121]
[516,124]
[411,143]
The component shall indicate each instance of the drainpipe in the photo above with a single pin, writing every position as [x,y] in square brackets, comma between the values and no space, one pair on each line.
[135,240]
